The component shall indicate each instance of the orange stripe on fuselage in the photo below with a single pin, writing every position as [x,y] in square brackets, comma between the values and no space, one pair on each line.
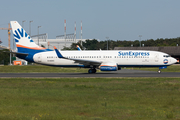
[34,48]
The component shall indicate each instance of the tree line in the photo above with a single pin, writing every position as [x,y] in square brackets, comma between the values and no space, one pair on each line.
[96,45]
[4,57]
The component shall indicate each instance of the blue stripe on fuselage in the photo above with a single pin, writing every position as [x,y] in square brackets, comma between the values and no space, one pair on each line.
[31,53]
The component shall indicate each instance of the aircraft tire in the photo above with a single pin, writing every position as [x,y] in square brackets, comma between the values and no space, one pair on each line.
[90,71]
[159,71]
[94,70]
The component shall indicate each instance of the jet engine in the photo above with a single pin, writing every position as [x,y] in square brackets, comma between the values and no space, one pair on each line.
[108,67]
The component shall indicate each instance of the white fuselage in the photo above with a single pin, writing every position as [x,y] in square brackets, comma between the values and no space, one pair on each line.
[121,58]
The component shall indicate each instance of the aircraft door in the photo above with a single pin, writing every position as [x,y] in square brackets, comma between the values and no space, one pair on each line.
[39,58]
[156,57]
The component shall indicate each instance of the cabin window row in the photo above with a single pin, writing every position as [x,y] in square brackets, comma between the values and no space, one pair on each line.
[100,57]
[77,57]
[83,56]
[51,57]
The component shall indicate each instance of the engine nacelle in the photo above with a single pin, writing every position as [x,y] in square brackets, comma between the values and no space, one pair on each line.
[108,67]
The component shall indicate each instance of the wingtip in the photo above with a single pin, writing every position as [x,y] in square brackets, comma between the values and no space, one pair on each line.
[55,47]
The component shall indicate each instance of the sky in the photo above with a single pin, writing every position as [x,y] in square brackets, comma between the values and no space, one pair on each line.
[116,19]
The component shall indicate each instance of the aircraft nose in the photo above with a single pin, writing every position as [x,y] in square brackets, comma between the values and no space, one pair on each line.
[173,60]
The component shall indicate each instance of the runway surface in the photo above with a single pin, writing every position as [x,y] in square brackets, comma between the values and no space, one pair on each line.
[121,73]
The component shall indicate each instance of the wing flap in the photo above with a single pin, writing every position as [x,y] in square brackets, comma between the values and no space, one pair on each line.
[86,62]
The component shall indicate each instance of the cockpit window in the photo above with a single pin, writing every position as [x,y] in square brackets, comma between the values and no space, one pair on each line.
[166,56]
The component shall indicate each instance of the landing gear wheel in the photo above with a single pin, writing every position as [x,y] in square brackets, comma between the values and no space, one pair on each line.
[94,70]
[159,71]
[91,71]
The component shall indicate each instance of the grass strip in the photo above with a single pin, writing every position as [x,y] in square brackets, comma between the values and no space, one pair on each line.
[89,98]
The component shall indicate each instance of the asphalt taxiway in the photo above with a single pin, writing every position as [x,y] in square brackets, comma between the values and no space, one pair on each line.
[121,73]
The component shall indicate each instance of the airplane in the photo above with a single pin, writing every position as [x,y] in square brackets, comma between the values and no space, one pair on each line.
[105,60]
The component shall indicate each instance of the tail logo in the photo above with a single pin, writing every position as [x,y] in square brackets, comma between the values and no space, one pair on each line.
[20,34]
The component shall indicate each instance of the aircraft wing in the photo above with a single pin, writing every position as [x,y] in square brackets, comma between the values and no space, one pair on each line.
[80,61]
[86,62]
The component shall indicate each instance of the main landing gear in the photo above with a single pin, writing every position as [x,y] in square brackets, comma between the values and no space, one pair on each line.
[92,70]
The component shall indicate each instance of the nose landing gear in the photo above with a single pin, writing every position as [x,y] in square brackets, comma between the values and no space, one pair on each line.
[159,71]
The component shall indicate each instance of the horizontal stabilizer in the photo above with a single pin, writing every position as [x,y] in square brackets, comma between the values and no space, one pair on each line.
[17,53]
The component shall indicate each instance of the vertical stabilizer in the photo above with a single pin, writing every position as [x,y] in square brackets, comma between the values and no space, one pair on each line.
[22,39]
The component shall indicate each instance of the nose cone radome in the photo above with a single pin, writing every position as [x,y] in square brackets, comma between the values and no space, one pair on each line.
[173,60]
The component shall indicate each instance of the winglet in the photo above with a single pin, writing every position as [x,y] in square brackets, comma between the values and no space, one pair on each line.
[78,47]
[58,53]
